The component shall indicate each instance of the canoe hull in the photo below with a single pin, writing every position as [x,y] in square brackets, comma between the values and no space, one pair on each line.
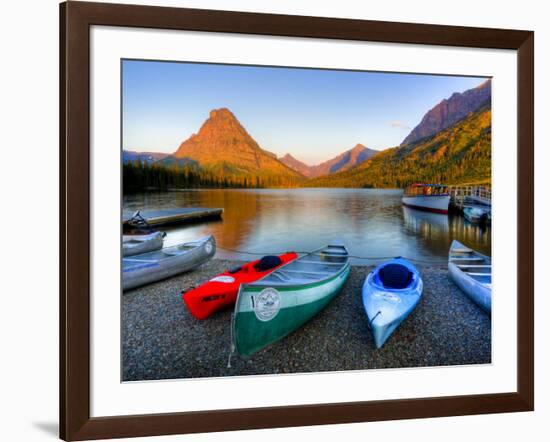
[478,293]
[288,308]
[475,289]
[149,271]
[387,308]
[138,244]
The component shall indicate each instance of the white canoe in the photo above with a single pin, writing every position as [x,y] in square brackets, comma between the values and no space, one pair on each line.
[137,244]
[471,272]
[390,293]
[149,267]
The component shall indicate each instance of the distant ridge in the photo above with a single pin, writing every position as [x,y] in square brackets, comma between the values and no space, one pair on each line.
[145,157]
[346,160]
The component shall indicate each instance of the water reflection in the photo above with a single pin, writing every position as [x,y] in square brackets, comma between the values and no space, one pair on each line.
[371,222]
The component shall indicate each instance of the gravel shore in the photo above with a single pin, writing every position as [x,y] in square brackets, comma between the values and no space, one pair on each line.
[161,340]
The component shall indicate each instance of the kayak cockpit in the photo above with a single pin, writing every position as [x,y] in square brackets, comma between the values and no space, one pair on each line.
[395,276]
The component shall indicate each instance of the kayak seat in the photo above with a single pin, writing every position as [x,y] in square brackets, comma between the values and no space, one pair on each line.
[268,262]
[395,276]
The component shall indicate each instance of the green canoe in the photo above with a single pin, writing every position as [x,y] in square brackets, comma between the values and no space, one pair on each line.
[276,305]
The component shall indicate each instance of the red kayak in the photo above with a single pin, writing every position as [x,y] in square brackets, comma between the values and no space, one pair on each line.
[221,291]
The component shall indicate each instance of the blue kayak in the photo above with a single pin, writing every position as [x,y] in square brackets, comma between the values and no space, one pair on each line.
[390,292]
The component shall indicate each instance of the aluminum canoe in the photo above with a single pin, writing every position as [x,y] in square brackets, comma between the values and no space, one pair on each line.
[153,266]
[471,271]
[137,244]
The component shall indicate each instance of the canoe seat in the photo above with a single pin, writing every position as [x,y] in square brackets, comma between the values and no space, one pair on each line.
[395,276]
[471,266]
[465,250]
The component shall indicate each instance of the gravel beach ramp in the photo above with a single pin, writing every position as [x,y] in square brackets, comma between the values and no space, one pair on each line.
[161,340]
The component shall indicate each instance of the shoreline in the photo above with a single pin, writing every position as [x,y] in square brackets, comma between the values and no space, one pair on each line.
[161,340]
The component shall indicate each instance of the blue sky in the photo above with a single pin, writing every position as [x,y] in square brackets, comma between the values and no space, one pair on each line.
[312,114]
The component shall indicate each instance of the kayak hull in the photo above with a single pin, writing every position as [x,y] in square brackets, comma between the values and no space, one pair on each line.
[221,291]
[387,307]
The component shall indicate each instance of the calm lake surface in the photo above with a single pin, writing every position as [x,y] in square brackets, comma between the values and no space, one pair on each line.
[371,222]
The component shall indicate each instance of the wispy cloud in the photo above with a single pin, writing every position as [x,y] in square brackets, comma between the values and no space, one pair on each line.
[399,125]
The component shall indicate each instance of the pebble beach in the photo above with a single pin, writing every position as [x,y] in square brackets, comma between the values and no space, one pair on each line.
[162,340]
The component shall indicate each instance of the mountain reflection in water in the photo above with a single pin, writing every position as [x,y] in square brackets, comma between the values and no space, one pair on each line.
[371,222]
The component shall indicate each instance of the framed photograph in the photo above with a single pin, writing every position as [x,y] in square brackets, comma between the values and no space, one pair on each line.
[272,221]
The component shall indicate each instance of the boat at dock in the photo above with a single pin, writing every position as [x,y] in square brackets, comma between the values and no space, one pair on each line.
[390,293]
[137,244]
[429,197]
[153,266]
[221,291]
[477,214]
[281,302]
[471,272]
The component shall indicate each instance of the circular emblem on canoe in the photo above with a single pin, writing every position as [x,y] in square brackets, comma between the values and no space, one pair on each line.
[208,247]
[226,279]
[267,304]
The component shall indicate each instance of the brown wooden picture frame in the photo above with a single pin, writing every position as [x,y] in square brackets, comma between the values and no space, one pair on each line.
[75,21]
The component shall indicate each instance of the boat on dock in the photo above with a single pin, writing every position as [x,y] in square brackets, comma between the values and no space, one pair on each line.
[137,244]
[153,266]
[281,302]
[221,291]
[390,293]
[429,197]
[471,272]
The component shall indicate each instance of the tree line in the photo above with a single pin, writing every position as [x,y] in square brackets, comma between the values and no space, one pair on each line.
[138,176]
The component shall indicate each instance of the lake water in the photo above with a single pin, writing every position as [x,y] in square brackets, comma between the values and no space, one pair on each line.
[370,222]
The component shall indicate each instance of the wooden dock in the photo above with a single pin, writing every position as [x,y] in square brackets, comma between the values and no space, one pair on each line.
[175,216]
[469,195]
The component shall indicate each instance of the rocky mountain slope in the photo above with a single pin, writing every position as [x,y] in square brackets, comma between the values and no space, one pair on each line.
[450,111]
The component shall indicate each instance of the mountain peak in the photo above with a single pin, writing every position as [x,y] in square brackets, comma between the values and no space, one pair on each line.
[485,84]
[289,161]
[222,142]
[449,111]
[221,113]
